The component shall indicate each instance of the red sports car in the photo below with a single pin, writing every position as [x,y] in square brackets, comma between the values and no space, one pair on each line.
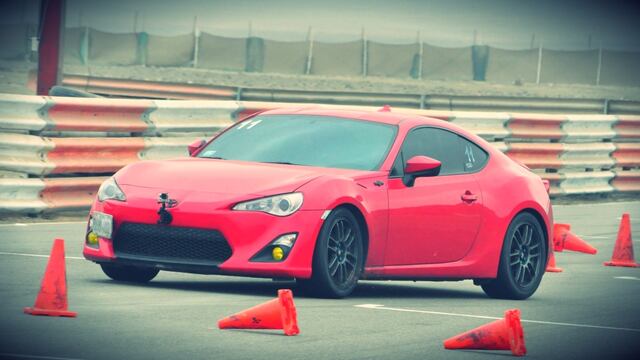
[328,197]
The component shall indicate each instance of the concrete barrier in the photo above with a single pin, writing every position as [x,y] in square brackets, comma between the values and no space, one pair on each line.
[35,196]
[41,156]
[58,150]
[536,126]
[490,126]
[21,196]
[589,127]
[626,181]
[627,127]
[191,116]
[21,113]
[577,183]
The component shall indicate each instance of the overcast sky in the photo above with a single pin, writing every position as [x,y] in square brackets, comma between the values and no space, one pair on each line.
[503,23]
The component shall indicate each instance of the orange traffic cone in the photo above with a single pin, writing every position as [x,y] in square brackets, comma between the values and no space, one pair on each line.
[623,251]
[278,313]
[503,334]
[564,239]
[52,298]
[551,265]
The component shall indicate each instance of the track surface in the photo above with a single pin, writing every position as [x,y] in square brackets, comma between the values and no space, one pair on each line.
[587,311]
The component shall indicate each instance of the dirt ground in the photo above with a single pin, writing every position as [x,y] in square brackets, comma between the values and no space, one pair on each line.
[14,75]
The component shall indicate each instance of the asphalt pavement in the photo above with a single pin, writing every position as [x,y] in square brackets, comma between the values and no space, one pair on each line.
[587,311]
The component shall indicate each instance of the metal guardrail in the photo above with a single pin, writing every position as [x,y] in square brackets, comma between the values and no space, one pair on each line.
[163,90]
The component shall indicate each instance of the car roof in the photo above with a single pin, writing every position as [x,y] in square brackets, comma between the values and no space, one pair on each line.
[385,117]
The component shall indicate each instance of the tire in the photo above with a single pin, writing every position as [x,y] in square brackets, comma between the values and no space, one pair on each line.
[338,258]
[522,261]
[128,273]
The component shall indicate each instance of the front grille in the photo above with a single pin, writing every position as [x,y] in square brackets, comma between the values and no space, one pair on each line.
[170,244]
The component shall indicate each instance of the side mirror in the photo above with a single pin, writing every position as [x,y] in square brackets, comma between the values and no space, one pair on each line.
[420,166]
[195,146]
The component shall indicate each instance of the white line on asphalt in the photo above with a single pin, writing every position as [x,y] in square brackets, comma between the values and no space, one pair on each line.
[600,204]
[627,278]
[382,307]
[45,223]
[21,356]
[596,237]
[39,255]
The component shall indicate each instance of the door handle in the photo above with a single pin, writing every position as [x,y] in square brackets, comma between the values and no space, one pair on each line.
[469,197]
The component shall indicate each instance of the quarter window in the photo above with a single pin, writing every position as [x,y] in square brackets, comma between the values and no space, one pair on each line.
[474,156]
[457,154]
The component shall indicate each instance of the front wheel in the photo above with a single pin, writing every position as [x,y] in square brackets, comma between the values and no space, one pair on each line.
[522,262]
[338,258]
[128,273]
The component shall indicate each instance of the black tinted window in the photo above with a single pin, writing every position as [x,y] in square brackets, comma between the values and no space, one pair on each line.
[438,144]
[474,156]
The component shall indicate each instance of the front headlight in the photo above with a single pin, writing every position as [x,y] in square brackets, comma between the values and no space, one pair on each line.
[279,205]
[109,190]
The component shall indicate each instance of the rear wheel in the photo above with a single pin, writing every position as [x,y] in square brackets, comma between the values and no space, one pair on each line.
[522,262]
[338,258]
[129,273]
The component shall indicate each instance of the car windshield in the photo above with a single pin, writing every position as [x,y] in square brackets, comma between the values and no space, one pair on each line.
[305,140]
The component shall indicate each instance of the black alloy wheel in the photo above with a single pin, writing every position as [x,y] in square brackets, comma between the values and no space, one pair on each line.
[522,262]
[524,255]
[338,258]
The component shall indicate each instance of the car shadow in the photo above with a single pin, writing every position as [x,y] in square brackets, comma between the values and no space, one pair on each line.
[412,290]
[267,287]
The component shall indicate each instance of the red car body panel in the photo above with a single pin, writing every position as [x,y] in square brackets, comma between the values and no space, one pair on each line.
[462,239]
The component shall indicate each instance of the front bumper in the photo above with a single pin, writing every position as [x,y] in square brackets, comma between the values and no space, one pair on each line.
[245,232]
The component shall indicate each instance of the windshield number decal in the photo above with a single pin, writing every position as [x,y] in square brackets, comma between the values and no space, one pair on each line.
[249,124]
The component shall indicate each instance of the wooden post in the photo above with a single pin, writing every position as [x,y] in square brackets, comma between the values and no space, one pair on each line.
[310,53]
[539,71]
[196,42]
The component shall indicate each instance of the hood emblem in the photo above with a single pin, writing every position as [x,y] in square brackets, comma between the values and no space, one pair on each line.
[165,203]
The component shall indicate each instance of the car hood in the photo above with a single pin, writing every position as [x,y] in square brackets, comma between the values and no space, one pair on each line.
[222,176]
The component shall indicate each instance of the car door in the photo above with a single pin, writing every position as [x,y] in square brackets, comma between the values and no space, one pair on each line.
[435,220]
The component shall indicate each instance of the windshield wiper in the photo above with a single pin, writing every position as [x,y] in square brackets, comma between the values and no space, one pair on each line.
[279,162]
[213,157]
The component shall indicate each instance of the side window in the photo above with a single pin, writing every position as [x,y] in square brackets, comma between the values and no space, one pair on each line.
[439,144]
[474,156]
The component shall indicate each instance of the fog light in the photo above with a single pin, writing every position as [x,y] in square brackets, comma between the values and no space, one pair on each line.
[277,253]
[92,238]
[278,250]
